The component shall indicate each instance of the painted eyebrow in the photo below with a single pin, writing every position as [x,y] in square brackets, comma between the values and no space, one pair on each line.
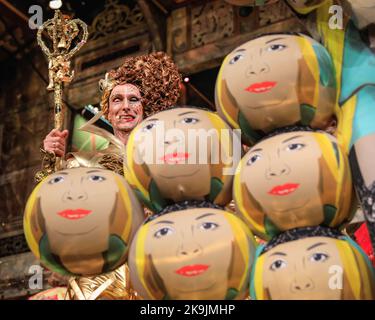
[272,40]
[255,150]
[153,119]
[64,172]
[93,171]
[205,215]
[295,137]
[165,221]
[278,254]
[187,112]
[240,50]
[316,245]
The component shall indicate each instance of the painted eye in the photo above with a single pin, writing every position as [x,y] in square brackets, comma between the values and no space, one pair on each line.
[57,179]
[277,265]
[276,47]
[236,58]
[209,226]
[96,178]
[319,257]
[148,127]
[295,146]
[253,159]
[165,231]
[189,120]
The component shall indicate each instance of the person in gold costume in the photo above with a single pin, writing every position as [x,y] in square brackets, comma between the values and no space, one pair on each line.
[141,86]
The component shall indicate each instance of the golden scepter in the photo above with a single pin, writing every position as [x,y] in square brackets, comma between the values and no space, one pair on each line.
[63,32]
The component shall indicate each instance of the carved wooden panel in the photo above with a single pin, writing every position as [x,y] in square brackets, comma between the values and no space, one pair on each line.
[118,31]
[273,13]
[211,22]
[202,33]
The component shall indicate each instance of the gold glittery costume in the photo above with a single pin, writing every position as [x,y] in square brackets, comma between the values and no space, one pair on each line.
[158,80]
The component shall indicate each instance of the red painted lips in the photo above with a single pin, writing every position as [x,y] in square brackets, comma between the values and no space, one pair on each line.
[176,157]
[74,214]
[193,270]
[261,87]
[284,189]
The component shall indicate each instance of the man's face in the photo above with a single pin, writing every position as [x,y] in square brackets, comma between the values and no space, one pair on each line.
[282,174]
[191,251]
[180,153]
[301,270]
[78,203]
[263,77]
[125,107]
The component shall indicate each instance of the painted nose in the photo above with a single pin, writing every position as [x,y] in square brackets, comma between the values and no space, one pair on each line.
[277,171]
[302,284]
[257,69]
[75,195]
[189,248]
[171,140]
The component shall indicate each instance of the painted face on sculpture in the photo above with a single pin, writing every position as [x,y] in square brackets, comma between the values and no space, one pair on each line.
[284,188]
[70,205]
[272,82]
[291,180]
[78,215]
[181,148]
[261,75]
[192,254]
[303,270]
[125,107]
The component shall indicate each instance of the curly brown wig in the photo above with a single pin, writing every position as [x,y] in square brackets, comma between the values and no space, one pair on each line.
[156,77]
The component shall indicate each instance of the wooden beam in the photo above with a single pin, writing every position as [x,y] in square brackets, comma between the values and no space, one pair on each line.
[153,26]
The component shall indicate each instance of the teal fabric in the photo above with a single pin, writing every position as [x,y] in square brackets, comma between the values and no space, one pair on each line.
[326,67]
[364,116]
[358,64]
[258,252]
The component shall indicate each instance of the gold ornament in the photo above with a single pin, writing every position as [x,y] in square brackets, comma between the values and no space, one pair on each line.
[64,33]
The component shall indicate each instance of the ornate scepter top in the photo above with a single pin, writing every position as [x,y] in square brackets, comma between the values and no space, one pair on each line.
[63,33]
[66,37]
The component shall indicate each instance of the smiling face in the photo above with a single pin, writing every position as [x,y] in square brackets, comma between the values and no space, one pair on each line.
[180,154]
[125,107]
[262,76]
[300,270]
[191,251]
[282,174]
[77,205]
